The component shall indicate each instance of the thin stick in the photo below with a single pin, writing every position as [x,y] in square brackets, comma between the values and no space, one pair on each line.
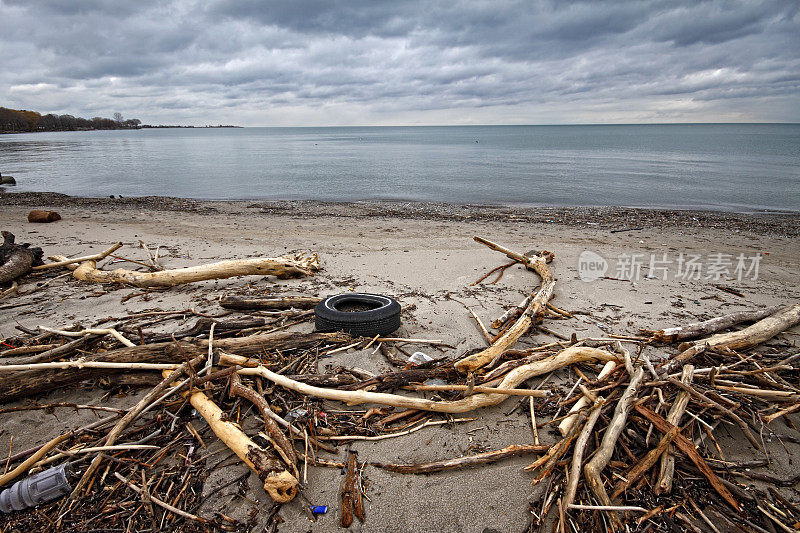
[95,257]
[30,461]
[461,462]
[481,326]
[479,389]
[782,412]
[533,422]
[63,365]
[341,348]
[10,449]
[305,458]
[763,393]
[621,508]
[11,290]
[492,271]
[162,503]
[411,341]
[95,449]
[401,433]
[105,331]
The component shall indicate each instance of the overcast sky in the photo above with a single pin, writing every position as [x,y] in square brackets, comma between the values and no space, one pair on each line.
[372,62]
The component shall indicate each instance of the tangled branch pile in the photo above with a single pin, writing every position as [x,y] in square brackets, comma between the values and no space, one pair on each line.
[637,448]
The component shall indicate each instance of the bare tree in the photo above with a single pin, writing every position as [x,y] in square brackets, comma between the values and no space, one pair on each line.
[118,118]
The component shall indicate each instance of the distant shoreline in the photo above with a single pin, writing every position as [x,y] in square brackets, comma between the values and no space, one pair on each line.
[142,127]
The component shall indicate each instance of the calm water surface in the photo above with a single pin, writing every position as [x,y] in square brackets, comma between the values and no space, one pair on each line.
[741,167]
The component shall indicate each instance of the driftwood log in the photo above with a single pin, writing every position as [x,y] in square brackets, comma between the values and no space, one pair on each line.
[749,337]
[352,500]
[38,215]
[285,302]
[709,327]
[667,469]
[282,268]
[16,260]
[31,382]
[272,432]
[533,313]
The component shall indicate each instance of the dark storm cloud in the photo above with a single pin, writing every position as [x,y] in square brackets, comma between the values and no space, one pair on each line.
[370,61]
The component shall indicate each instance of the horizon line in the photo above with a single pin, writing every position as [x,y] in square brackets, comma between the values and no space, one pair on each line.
[518,125]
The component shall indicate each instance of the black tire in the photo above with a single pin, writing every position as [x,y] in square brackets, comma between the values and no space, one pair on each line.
[381,318]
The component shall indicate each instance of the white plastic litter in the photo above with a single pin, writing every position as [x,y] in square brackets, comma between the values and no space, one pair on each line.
[418,358]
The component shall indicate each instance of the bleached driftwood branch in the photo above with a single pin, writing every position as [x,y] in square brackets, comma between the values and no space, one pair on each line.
[708,327]
[571,355]
[63,261]
[749,337]
[283,267]
[532,315]
[279,483]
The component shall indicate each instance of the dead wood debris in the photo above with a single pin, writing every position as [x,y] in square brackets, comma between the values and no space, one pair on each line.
[638,441]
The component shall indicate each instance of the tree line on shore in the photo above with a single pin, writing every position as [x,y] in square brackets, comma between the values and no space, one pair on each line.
[19,121]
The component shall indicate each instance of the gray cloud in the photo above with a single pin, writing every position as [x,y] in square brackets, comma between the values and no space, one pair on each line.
[394,62]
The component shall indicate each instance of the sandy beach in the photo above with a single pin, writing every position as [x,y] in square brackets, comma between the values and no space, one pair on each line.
[424,256]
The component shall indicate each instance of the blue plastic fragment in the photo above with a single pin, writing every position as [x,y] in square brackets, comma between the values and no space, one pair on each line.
[318,509]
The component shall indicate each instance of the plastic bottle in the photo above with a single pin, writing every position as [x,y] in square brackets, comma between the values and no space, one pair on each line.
[36,489]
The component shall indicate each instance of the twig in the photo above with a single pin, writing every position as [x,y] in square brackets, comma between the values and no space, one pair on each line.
[461,462]
[11,290]
[30,461]
[481,326]
[162,503]
[782,412]
[105,331]
[401,433]
[620,508]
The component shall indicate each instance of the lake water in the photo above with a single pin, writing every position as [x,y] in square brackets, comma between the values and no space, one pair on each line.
[742,167]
